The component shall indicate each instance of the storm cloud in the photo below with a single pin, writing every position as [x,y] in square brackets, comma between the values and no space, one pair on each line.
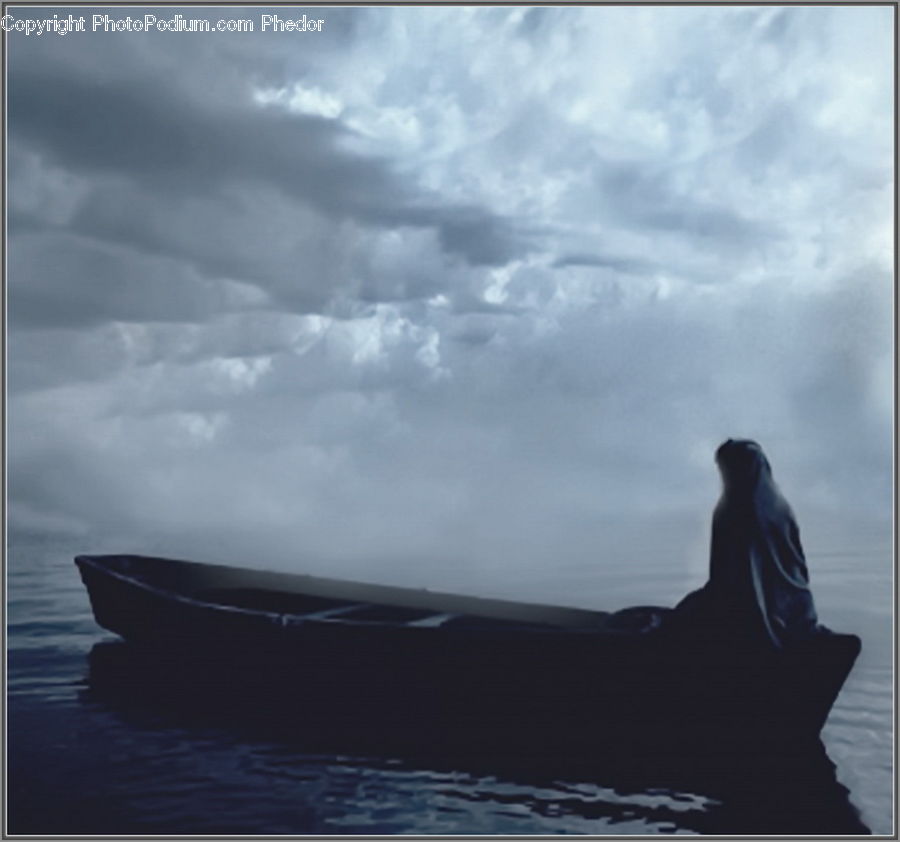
[456,294]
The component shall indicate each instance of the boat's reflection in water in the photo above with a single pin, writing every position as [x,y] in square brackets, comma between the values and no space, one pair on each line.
[792,791]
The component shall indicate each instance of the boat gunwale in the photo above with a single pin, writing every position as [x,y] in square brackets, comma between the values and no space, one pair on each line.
[92,561]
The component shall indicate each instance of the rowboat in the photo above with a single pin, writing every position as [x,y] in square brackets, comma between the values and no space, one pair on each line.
[373,660]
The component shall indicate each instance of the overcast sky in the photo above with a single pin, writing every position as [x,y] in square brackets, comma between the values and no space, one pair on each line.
[450,290]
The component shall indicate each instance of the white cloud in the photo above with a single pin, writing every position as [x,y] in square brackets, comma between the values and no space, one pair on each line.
[301,100]
[241,373]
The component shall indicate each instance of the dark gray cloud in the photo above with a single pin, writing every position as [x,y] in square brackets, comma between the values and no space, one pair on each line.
[620,264]
[52,357]
[58,279]
[175,146]
[179,146]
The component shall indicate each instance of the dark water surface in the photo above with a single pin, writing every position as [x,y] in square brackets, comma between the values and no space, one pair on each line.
[92,751]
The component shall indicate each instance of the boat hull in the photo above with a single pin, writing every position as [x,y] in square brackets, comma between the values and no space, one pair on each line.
[502,686]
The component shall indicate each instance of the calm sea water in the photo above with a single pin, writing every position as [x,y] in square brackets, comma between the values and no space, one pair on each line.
[83,759]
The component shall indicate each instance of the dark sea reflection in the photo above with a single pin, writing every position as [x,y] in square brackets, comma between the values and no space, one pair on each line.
[191,735]
[107,739]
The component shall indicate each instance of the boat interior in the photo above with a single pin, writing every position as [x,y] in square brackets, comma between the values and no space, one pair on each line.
[310,597]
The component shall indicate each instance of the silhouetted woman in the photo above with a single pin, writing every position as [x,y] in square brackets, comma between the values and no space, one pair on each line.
[758,588]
